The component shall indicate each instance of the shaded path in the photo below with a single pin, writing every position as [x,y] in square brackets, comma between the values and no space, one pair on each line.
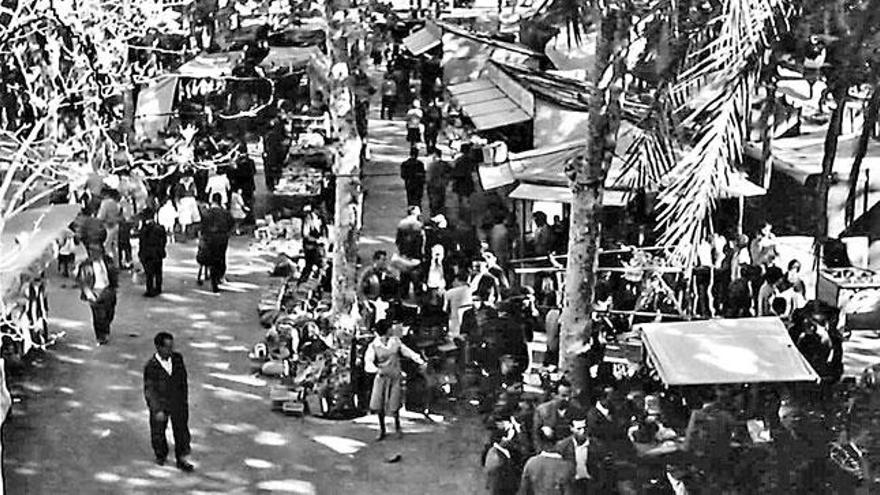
[82,427]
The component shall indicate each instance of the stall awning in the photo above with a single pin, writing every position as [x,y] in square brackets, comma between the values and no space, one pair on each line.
[210,65]
[560,194]
[291,57]
[745,350]
[486,105]
[424,39]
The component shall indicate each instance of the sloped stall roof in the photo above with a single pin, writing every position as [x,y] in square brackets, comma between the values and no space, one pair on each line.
[709,352]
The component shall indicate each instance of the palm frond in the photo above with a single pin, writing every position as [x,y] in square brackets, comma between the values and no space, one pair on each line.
[729,43]
[688,200]
[647,160]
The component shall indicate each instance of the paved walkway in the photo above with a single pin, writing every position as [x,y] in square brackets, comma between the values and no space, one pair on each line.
[81,425]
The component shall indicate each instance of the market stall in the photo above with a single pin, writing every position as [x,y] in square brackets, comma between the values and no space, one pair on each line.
[724,351]
[304,181]
[856,291]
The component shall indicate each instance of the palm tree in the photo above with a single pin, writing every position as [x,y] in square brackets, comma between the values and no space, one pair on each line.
[706,64]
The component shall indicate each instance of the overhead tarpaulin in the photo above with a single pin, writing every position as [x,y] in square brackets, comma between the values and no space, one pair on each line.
[486,105]
[210,65]
[546,166]
[290,57]
[744,350]
[562,194]
[154,106]
[494,101]
[424,39]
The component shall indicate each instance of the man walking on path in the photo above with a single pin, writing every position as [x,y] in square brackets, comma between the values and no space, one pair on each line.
[432,121]
[413,123]
[152,252]
[437,177]
[165,390]
[389,98]
[412,171]
[98,279]
[217,225]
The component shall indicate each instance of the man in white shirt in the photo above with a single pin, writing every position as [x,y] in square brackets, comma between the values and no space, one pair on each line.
[585,456]
[98,279]
[219,184]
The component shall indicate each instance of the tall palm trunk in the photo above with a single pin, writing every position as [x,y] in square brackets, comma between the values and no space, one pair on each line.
[871,112]
[587,182]
[347,162]
[765,126]
[832,137]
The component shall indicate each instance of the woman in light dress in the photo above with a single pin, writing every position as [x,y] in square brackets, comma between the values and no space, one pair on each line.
[383,358]
[168,218]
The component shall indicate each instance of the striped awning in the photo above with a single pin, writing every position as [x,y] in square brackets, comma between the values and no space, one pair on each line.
[486,105]
[424,39]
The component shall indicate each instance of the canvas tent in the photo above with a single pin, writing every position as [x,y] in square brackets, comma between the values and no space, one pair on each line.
[724,351]
[155,100]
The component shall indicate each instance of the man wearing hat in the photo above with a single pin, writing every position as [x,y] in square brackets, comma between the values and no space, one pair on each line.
[152,251]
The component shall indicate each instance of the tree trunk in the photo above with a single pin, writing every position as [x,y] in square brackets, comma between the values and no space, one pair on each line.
[346,167]
[871,113]
[765,125]
[832,136]
[587,182]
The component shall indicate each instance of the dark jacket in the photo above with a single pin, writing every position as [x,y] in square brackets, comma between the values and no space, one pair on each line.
[595,458]
[549,414]
[86,277]
[217,224]
[502,476]
[152,242]
[413,170]
[163,392]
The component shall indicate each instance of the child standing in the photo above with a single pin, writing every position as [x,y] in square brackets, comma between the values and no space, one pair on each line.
[167,219]
[66,255]
[238,209]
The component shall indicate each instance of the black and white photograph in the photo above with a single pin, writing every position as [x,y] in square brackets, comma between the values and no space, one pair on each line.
[440,247]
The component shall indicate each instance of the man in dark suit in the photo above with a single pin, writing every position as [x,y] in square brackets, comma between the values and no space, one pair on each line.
[98,278]
[151,252]
[165,390]
[586,457]
[217,225]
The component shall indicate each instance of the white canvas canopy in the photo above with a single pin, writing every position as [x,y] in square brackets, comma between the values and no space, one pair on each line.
[708,352]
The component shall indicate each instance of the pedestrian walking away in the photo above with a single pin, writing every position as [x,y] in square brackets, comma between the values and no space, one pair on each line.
[217,225]
[413,123]
[165,390]
[98,279]
[151,252]
[412,171]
